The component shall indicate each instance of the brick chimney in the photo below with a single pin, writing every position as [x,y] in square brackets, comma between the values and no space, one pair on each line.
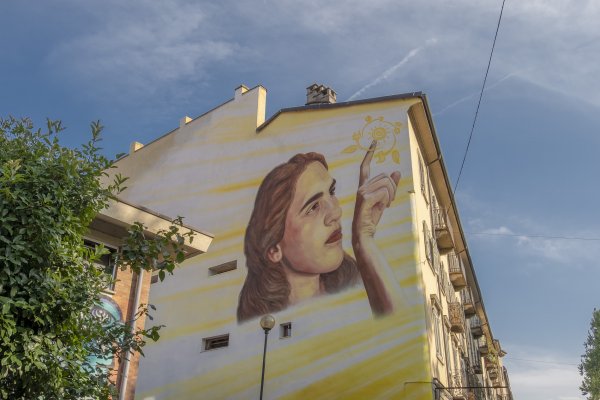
[319,94]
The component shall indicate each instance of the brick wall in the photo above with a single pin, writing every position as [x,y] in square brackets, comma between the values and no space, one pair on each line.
[124,296]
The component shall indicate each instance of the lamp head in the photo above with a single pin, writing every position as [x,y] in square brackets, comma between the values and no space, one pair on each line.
[267,322]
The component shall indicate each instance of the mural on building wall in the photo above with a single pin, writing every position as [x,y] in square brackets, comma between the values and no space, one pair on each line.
[109,312]
[293,243]
[315,210]
[385,133]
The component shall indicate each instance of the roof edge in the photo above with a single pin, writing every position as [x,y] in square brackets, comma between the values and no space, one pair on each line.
[119,215]
[193,119]
[401,96]
[159,215]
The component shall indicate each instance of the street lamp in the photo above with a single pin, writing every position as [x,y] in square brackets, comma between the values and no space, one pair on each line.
[267,322]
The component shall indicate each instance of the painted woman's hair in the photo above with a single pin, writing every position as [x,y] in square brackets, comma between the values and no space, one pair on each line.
[266,288]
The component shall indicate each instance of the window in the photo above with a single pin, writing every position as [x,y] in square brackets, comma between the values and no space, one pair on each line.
[437,331]
[154,279]
[221,268]
[435,255]
[285,330]
[454,356]
[446,340]
[442,279]
[215,342]
[106,262]
[431,251]
[421,175]
[427,240]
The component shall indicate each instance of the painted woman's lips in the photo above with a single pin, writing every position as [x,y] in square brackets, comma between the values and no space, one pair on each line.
[336,236]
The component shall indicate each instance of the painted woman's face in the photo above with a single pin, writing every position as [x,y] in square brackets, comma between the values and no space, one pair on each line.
[312,241]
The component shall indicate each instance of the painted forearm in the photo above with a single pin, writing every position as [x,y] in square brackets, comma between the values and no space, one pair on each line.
[371,266]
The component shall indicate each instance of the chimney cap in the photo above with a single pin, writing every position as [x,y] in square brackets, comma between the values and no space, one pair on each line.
[320,94]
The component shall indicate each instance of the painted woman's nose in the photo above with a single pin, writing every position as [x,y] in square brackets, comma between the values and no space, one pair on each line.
[334,211]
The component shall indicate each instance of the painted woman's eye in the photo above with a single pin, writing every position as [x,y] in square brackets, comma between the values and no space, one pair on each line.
[332,191]
[314,208]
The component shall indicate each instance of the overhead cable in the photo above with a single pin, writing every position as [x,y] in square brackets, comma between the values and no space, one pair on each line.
[541,361]
[479,102]
[536,236]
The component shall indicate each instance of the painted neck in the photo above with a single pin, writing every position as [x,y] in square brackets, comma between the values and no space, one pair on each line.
[302,286]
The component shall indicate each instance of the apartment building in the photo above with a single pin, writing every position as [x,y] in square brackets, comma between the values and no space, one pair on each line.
[336,218]
[466,359]
[120,301]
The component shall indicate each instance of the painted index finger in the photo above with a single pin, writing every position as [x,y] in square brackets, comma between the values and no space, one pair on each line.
[365,166]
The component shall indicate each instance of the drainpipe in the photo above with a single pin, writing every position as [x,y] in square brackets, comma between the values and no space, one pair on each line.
[136,304]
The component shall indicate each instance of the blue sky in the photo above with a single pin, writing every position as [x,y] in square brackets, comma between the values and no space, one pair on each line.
[139,66]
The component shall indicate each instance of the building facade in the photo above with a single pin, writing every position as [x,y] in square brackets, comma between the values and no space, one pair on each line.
[339,220]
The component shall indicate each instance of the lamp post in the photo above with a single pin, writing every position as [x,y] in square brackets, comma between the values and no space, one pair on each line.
[267,323]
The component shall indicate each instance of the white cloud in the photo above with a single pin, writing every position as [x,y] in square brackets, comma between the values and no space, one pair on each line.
[574,253]
[143,47]
[502,230]
[538,40]
[148,46]
[560,246]
[542,374]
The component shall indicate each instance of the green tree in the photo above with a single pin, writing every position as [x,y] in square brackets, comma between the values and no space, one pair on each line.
[49,195]
[590,361]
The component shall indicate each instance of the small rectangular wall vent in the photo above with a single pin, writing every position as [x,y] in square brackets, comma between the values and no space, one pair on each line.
[221,268]
[215,342]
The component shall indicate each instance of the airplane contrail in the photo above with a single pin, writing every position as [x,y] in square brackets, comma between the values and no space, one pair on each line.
[392,69]
[463,99]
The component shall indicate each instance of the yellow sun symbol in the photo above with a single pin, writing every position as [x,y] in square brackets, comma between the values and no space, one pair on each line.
[383,132]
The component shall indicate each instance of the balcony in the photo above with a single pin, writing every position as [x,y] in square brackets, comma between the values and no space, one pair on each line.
[476,366]
[467,301]
[482,345]
[493,374]
[443,230]
[457,317]
[456,271]
[475,324]
[458,393]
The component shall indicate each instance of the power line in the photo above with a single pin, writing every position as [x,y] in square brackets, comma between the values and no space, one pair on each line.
[536,236]
[480,96]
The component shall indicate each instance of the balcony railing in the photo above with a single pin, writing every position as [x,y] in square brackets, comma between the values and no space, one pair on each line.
[475,325]
[456,271]
[443,230]
[467,300]
[456,316]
